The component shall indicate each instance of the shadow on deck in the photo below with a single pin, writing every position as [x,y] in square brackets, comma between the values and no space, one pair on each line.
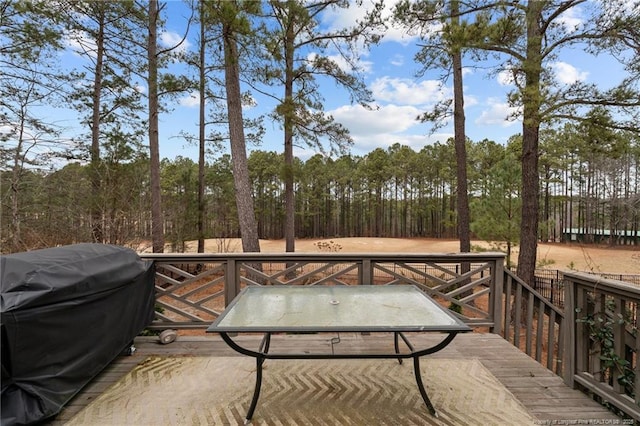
[544,394]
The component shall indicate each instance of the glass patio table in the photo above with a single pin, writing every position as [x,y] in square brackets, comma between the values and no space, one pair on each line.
[333,309]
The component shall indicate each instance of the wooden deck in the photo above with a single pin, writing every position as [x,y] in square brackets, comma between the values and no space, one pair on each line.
[543,393]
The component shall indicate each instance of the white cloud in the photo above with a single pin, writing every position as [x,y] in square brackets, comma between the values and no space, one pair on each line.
[498,112]
[571,19]
[397,60]
[80,43]
[505,78]
[564,73]
[360,64]
[7,131]
[190,100]
[381,128]
[568,74]
[470,100]
[408,92]
[386,119]
[169,39]
[336,18]
[365,144]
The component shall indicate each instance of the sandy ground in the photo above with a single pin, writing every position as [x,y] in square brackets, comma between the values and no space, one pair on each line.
[590,258]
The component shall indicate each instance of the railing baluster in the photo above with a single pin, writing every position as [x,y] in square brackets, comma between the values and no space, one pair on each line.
[596,364]
[530,305]
[507,309]
[540,332]
[582,338]
[561,341]
[551,339]
[517,317]
[618,341]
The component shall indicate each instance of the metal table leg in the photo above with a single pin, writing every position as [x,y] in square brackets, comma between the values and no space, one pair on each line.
[256,392]
[263,349]
[416,364]
[396,344]
[423,392]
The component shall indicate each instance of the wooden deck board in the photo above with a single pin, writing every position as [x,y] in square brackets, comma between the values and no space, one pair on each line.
[543,393]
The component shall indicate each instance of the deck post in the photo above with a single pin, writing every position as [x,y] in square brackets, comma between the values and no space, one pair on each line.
[496,295]
[569,333]
[231,283]
[367,272]
[637,370]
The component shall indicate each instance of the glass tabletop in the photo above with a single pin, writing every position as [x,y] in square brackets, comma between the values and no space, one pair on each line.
[335,308]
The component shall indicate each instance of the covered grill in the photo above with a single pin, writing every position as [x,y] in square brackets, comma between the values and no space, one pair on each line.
[66,313]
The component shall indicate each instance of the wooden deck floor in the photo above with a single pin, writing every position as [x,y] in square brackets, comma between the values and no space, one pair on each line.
[543,393]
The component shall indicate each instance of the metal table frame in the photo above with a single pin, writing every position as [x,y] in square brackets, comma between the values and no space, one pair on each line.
[262,353]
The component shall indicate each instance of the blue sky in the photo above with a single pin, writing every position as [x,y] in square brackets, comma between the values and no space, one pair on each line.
[389,71]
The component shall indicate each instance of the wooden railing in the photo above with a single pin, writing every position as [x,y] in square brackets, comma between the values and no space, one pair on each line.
[593,342]
[603,340]
[532,323]
[193,289]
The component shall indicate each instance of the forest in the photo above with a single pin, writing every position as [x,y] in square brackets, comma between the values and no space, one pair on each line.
[574,165]
[396,192]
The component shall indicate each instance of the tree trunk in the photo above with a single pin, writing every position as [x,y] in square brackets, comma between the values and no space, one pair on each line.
[244,199]
[202,133]
[532,67]
[464,232]
[15,233]
[97,234]
[546,210]
[157,229]
[289,197]
[460,144]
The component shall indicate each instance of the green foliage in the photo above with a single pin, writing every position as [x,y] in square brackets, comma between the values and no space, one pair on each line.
[28,29]
[496,215]
[600,327]
[179,184]
[455,308]
[397,192]
[298,50]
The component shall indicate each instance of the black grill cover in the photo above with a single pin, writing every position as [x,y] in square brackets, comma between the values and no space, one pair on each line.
[66,313]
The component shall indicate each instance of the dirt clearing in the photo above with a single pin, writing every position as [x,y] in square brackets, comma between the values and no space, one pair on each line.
[588,258]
